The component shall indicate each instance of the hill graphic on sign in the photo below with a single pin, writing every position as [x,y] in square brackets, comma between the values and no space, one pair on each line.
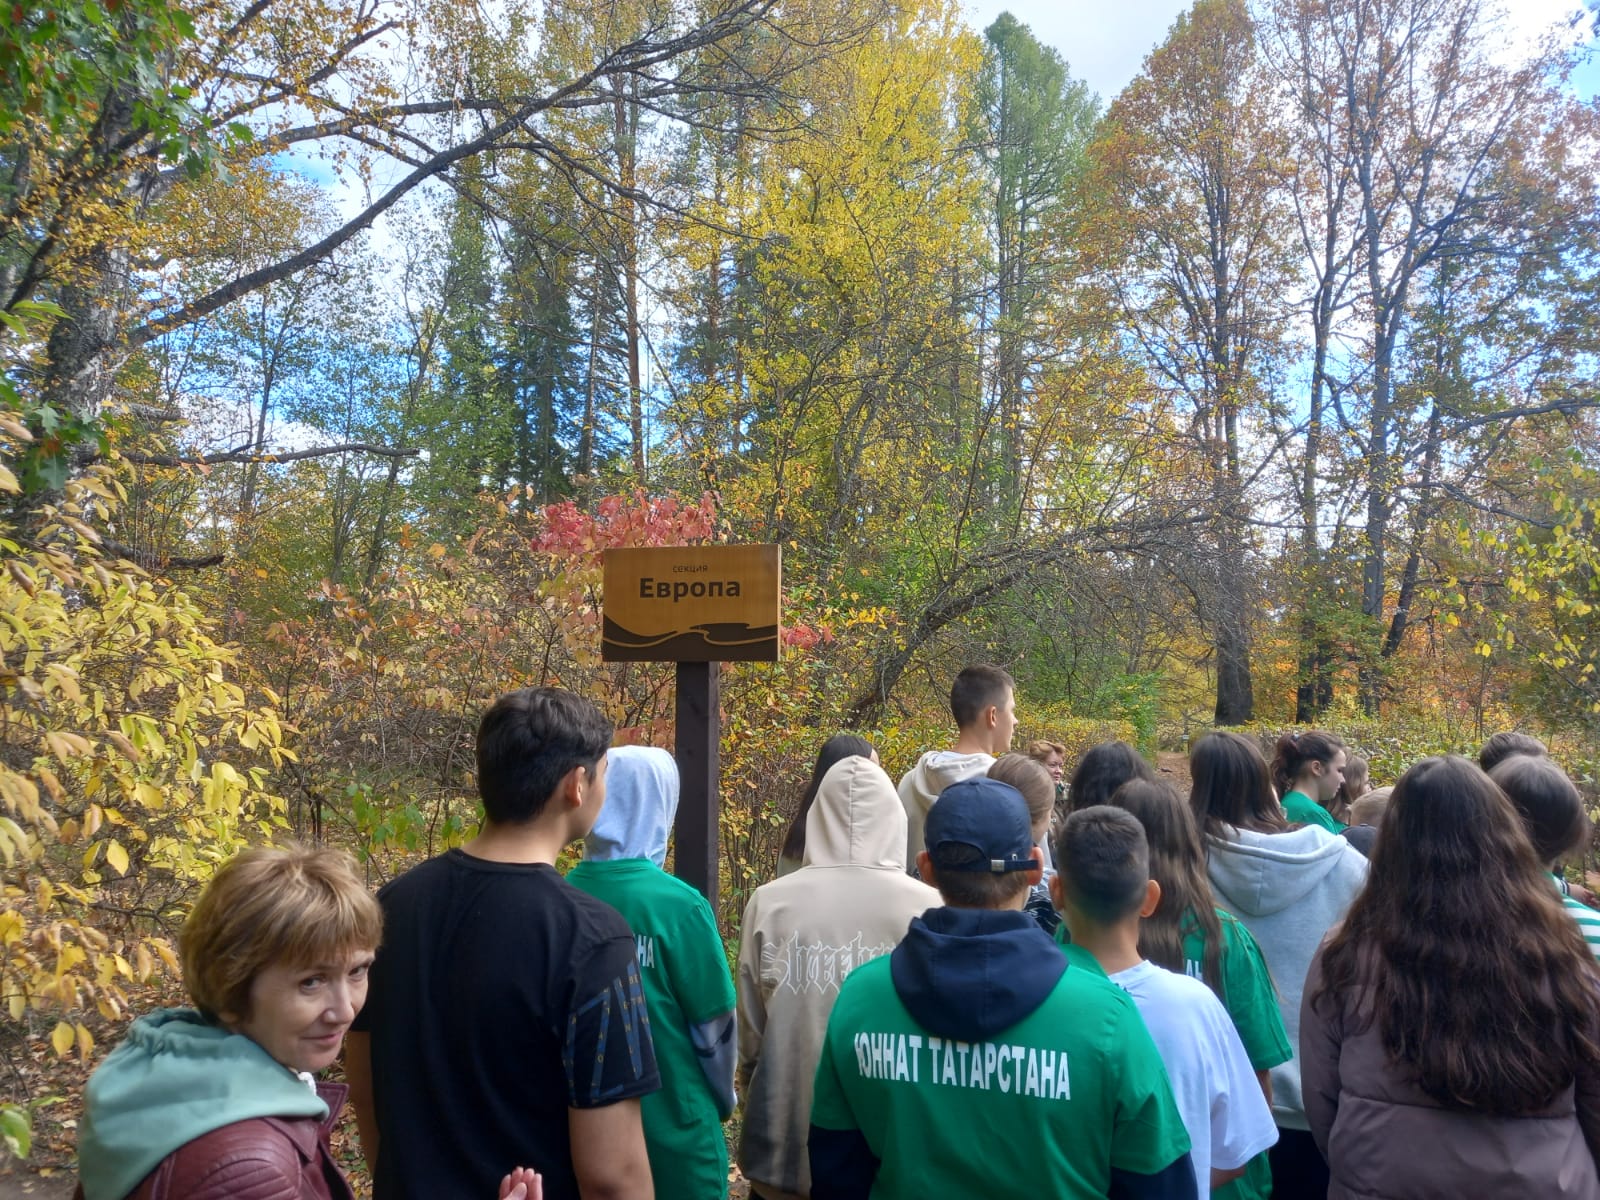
[714,642]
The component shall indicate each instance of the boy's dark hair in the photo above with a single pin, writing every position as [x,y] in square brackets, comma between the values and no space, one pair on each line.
[975,889]
[1502,746]
[975,689]
[1548,802]
[527,743]
[1104,862]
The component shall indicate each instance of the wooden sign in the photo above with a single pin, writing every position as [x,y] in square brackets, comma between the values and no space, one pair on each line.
[692,604]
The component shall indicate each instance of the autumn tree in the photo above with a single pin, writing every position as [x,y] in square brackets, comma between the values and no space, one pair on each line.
[331,90]
[1032,122]
[1188,231]
[1432,125]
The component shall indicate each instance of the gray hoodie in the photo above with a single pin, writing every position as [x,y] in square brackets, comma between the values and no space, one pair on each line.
[641,802]
[920,787]
[1288,889]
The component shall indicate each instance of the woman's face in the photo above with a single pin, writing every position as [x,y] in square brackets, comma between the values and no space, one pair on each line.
[1331,779]
[299,1015]
[1055,764]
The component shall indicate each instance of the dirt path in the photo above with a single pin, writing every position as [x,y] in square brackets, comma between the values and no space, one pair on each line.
[1175,767]
[37,1187]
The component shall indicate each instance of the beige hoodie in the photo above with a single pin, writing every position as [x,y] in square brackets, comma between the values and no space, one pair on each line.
[849,902]
[920,787]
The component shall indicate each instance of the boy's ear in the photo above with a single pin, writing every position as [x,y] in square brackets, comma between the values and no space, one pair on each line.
[991,715]
[1152,899]
[570,789]
[1058,892]
[925,870]
[1036,872]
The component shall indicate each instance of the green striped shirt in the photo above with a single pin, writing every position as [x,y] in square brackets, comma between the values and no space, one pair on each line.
[1588,920]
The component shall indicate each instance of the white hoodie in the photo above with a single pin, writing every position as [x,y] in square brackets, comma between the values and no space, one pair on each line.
[1288,889]
[849,902]
[920,787]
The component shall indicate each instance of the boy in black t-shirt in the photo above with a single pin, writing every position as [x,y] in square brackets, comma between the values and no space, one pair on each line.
[505,1021]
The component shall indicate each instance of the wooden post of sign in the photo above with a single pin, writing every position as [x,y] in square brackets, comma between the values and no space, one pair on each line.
[697,606]
[699,770]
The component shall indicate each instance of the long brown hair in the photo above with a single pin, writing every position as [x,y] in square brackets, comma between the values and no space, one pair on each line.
[1030,777]
[1482,987]
[1178,864]
[1231,785]
[1102,770]
[836,749]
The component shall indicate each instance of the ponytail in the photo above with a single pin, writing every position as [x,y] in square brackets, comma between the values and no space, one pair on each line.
[1295,750]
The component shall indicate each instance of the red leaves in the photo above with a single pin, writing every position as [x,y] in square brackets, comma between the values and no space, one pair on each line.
[631,520]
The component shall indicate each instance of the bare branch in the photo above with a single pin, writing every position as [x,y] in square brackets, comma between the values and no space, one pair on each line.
[149,560]
[259,456]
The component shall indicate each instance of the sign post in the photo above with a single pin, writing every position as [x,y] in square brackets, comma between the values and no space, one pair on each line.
[697,606]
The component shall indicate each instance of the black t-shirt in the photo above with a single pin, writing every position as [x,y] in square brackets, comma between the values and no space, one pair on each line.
[501,996]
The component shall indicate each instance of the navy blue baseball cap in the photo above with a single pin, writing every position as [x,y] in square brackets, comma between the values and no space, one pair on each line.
[984,815]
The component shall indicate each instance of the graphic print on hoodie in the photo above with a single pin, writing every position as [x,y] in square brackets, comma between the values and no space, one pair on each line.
[1288,889]
[684,969]
[920,787]
[849,903]
[974,1061]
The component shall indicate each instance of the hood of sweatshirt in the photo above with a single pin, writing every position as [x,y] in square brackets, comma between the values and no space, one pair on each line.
[175,1077]
[856,819]
[641,801]
[937,770]
[969,974]
[1259,874]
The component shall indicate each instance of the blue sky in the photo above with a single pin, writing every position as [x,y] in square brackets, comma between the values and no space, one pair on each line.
[1105,43]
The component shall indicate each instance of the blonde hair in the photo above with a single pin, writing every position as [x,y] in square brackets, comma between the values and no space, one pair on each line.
[1041,749]
[266,906]
[1029,777]
[1368,807]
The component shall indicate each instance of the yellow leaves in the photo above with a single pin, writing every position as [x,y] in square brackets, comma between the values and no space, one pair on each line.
[164,950]
[13,841]
[20,794]
[124,747]
[119,713]
[66,1036]
[65,745]
[23,577]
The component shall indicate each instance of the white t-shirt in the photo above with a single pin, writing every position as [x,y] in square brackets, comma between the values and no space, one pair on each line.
[1217,1092]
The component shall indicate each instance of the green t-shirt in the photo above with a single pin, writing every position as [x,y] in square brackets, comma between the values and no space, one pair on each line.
[686,982]
[1052,1104]
[1301,809]
[1247,992]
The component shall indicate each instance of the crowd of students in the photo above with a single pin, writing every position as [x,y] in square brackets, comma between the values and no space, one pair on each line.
[985,981]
